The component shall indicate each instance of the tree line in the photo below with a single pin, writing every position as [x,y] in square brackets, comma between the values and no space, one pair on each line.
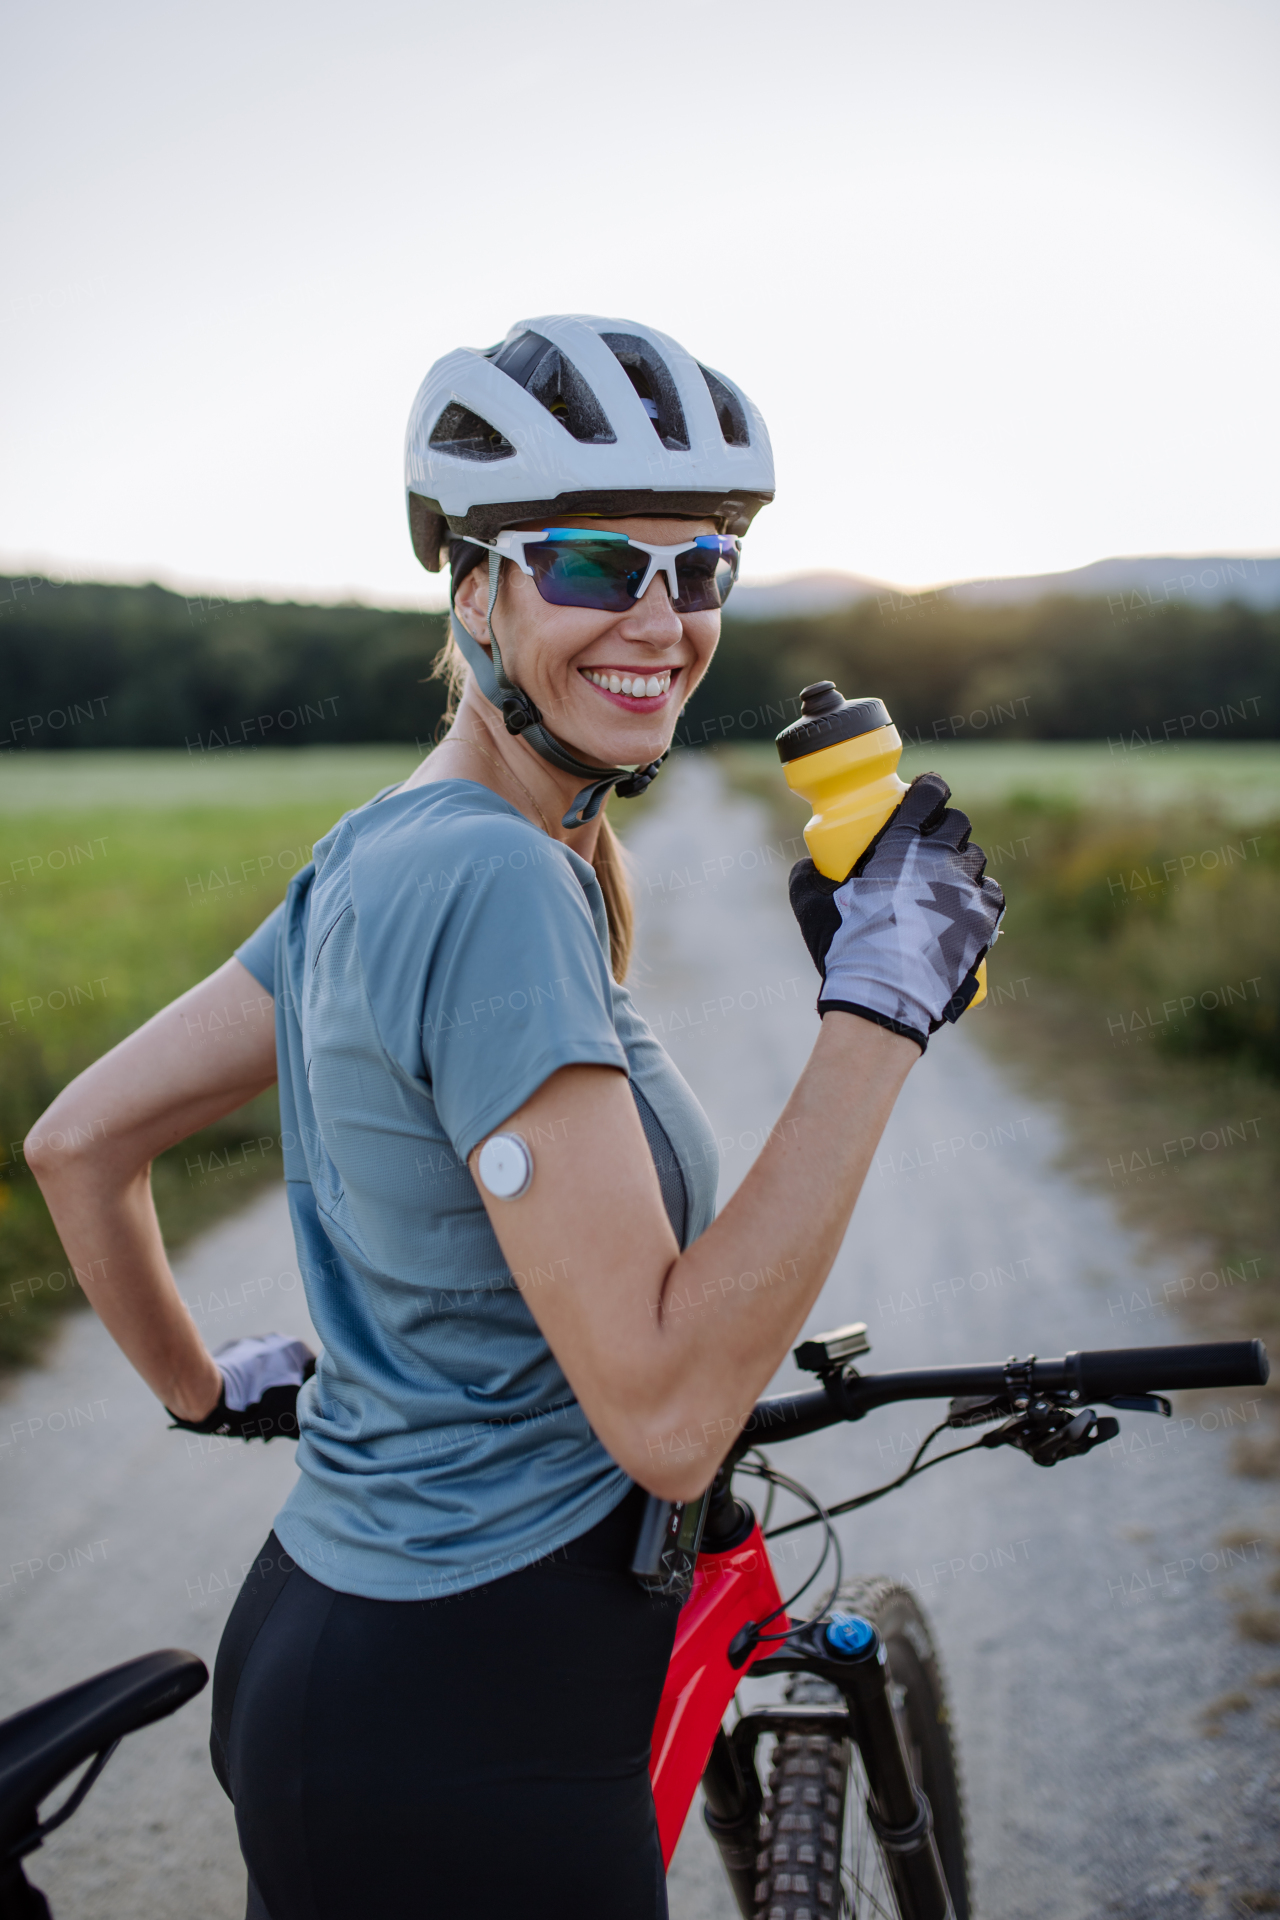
[105,666]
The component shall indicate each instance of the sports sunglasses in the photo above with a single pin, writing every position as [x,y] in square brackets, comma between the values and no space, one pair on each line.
[610,572]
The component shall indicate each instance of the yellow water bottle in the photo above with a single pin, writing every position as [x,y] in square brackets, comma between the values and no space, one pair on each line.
[842,757]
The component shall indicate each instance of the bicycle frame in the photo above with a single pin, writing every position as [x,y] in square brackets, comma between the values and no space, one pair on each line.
[729,1589]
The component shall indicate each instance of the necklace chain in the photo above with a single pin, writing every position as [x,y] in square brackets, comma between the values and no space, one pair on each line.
[469,740]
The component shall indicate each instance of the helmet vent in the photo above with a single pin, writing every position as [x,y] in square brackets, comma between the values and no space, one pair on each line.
[651,377]
[548,377]
[465,434]
[729,409]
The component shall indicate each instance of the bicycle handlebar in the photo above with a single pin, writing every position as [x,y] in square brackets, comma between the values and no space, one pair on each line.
[1098,1375]
[1214,1363]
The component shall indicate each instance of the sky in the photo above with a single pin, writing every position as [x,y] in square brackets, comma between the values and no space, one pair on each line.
[1003,279]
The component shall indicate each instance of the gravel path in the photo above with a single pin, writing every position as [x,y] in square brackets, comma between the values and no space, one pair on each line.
[1085,1619]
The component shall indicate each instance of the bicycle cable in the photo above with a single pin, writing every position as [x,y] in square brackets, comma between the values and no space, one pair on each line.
[772,1478]
[877,1493]
[758,1453]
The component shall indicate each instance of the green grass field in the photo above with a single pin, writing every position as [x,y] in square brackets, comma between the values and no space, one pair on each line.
[124,878]
[249,780]
[1228,782]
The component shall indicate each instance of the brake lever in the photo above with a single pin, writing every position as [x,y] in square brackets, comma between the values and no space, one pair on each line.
[1039,1423]
[974,1410]
[1142,1403]
[1050,1433]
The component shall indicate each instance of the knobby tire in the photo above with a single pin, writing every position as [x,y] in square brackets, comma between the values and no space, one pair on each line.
[819,1858]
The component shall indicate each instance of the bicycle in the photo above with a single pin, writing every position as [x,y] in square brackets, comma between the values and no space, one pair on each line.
[860,1813]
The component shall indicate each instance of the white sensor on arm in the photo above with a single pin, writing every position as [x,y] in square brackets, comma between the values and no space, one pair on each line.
[505,1166]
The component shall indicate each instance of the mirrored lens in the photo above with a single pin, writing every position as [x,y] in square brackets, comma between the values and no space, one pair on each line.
[603,573]
[706,573]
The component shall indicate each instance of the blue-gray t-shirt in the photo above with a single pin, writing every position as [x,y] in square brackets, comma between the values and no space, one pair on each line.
[438,962]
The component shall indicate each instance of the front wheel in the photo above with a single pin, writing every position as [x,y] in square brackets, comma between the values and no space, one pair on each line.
[819,1858]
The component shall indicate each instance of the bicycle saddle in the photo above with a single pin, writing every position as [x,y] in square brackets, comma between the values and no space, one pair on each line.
[43,1744]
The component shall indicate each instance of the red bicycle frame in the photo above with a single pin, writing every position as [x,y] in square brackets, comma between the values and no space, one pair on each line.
[729,1589]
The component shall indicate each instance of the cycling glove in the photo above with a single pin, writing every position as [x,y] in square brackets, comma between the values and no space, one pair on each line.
[261,1375]
[899,940]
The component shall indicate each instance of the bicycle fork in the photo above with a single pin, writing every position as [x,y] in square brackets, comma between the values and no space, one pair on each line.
[848,1653]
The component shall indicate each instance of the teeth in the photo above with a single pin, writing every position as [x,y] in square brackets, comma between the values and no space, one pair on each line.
[635,685]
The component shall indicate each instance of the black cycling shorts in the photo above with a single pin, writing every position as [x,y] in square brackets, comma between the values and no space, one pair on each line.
[481,1755]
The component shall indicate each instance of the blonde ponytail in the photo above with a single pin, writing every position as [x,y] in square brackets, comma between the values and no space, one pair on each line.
[611,872]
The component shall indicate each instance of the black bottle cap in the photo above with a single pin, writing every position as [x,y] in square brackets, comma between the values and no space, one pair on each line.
[826,718]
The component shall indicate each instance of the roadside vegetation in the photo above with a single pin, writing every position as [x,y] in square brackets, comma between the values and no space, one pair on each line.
[1139,985]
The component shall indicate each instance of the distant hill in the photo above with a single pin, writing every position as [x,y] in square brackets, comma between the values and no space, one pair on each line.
[1205,580]
[802,595]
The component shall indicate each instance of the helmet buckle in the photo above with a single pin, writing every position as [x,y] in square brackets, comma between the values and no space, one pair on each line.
[518,712]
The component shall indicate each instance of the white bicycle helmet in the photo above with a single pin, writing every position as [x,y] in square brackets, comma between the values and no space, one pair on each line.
[572,413]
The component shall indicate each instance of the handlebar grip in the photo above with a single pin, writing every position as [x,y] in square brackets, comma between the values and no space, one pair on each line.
[1216,1363]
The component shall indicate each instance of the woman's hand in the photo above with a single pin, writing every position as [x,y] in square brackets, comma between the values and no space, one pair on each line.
[666,1351]
[261,1375]
[899,941]
[196,1060]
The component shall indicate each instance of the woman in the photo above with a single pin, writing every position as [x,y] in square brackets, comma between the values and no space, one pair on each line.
[436,1690]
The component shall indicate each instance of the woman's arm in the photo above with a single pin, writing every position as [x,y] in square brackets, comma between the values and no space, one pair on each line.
[196,1060]
[668,1351]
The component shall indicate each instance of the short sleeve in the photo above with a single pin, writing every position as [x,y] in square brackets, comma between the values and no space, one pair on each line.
[258,952]
[517,983]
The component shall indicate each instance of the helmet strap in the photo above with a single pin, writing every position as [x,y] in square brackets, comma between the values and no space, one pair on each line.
[521,717]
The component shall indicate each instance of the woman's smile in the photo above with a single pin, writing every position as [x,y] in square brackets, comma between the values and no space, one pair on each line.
[636,692]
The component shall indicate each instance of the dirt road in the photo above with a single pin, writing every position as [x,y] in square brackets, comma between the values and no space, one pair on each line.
[1083,1616]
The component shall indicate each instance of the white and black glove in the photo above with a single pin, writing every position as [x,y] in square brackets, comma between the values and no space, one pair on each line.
[899,941]
[261,1375]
